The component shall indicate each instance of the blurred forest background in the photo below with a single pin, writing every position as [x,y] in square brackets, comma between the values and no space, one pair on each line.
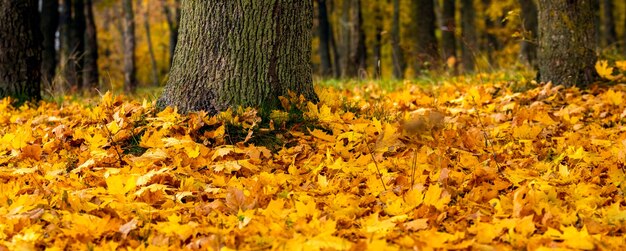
[125,44]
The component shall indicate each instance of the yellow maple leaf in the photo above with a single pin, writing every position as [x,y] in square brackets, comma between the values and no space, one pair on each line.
[604,70]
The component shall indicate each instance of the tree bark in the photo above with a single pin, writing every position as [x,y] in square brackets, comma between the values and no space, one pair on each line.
[425,42]
[324,35]
[90,64]
[378,43]
[566,42]
[78,37]
[240,53]
[397,55]
[469,36]
[130,70]
[358,56]
[490,42]
[49,26]
[153,63]
[528,46]
[448,38]
[609,33]
[20,50]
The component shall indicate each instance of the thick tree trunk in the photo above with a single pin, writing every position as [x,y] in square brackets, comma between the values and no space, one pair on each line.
[397,56]
[609,33]
[153,63]
[130,70]
[90,64]
[324,35]
[240,53]
[469,36]
[528,46]
[49,26]
[426,52]
[20,50]
[448,38]
[173,22]
[566,42]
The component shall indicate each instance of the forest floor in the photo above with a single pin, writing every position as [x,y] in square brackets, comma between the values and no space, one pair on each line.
[485,162]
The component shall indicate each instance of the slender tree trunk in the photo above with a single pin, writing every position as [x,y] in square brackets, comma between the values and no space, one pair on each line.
[624,34]
[595,6]
[490,41]
[173,22]
[49,27]
[257,52]
[90,68]
[68,45]
[324,35]
[20,50]
[130,70]
[397,55]
[448,37]
[426,51]
[378,23]
[153,63]
[346,39]
[566,42]
[609,33]
[78,37]
[528,46]
[336,55]
[469,36]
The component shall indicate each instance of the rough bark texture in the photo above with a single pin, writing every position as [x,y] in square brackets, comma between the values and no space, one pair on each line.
[397,56]
[528,46]
[448,39]
[240,53]
[324,35]
[609,33]
[566,42]
[90,64]
[20,50]
[49,26]
[130,70]
[425,42]
[469,36]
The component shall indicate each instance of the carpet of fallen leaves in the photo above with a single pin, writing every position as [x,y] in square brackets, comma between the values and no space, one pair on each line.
[454,166]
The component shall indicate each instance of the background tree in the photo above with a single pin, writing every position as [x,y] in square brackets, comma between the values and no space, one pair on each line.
[528,46]
[68,47]
[154,73]
[219,64]
[469,37]
[90,64]
[566,42]
[425,43]
[609,34]
[397,55]
[20,49]
[172,16]
[448,39]
[49,27]
[326,69]
[130,70]
[378,39]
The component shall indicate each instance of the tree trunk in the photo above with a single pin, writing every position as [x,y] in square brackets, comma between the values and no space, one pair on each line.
[609,33]
[173,22]
[566,42]
[358,54]
[490,41]
[448,38]
[528,46]
[378,23]
[324,35]
[20,50]
[469,36]
[336,55]
[397,56]
[68,45]
[78,37]
[240,53]
[153,63]
[130,79]
[49,26]
[424,38]
[90,66]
